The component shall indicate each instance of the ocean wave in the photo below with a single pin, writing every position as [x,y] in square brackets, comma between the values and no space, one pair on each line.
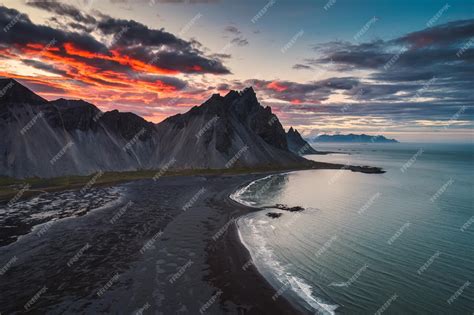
[239,194]
[338,284]
[262,254]
[245,195]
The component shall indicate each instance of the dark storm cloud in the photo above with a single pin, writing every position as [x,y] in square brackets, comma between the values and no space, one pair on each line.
[311,92]
[405,76]
[177,83]
[154,46]
[382,91]
[139,40]
[441,35]
[76,26]
[418,111]
[20,31]
[435,63]
[129,32]
[373,99]
[423,49]
[44,66]
[425,80]
[44,88]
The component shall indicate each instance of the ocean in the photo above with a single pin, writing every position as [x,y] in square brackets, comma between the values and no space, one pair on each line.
[401,242]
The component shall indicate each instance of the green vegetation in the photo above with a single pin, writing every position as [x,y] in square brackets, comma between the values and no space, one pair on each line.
[16,188]
[10,187]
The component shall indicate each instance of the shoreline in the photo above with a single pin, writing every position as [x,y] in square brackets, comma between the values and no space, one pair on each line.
[242,283]
[194,218]
[21,188]
[297,302]
[176,261]
[195,262]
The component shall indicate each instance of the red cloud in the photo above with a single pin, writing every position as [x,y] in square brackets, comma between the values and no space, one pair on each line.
[277,86]
[122,59]
[84,76]
[77,64]
[140,72]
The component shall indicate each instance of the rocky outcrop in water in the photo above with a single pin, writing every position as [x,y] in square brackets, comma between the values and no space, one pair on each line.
[274,215]
[286,208]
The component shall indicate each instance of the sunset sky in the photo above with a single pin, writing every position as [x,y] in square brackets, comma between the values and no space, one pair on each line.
[397,68]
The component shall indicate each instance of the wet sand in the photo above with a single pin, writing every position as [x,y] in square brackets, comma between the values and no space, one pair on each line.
[164,247]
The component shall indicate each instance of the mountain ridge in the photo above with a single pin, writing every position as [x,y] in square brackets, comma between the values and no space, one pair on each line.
[73,137]
[11,90]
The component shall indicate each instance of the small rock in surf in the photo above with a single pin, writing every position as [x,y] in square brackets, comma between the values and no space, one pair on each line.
[274,215]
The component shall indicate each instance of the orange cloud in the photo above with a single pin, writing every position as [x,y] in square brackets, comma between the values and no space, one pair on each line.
[276,86]
[80,74]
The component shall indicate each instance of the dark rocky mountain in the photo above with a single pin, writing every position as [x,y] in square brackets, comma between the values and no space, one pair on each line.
[363,138]
[297,144]
[12,92]
[224,128]
[66,137]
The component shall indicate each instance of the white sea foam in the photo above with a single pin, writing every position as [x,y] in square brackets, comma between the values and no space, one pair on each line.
[339,284]
[306,292]
[263,256]
[238,194]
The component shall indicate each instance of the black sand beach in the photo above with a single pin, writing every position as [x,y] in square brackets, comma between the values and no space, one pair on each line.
[164,247]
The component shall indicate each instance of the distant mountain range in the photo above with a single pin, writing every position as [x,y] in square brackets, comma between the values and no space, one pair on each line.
[363,138]
[72,137]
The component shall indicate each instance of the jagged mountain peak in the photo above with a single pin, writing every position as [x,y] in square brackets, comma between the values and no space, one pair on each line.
[232,95]
[12,91]
[69,104]
[297,144]
[242,103]
[222,127]
[226,131]
[245,103]
[248,92]
[236,107]
[294,131]
[128,125]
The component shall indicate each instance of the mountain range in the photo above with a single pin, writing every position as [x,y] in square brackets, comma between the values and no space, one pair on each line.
[72,137]
[362,138]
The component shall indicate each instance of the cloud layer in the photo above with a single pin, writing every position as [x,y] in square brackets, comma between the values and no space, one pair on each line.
[412,80]
[121,60]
